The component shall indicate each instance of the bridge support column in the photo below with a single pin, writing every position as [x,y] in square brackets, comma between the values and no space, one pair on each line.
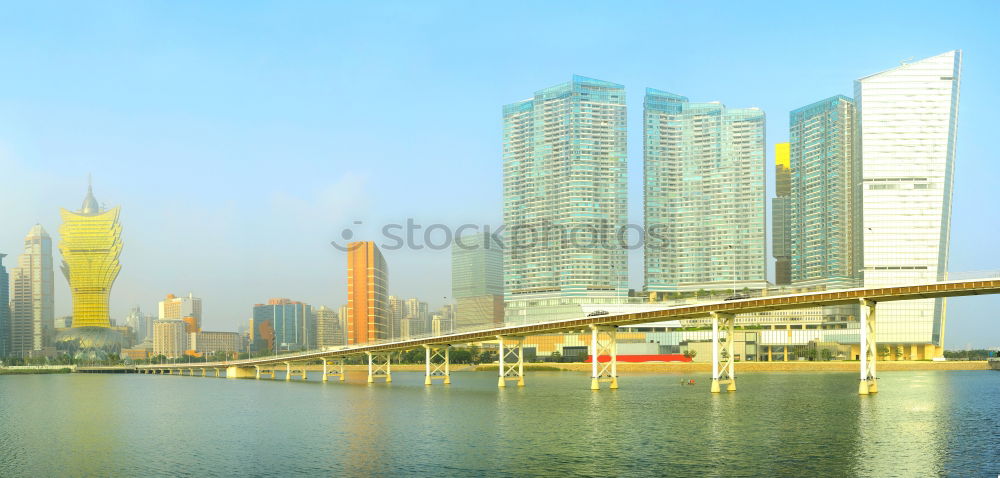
[303,373]
[437,364]
[379,365]
[333,368]
[218,373]
[336,371]
[264,372]
[867,346]
[204,372]
[511,360]
[608,371]
[724,372]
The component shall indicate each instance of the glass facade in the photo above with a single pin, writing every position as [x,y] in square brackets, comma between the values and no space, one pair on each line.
[825,173]
[705,205]
[565,164]
[328,330]
[781,233]
[91,241]
[291,324]
[4,310]
[476,266]
[32,295]
[368,312]
[477,281]
[908,121]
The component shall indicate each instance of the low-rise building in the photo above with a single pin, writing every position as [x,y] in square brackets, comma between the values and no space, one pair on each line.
[213,342]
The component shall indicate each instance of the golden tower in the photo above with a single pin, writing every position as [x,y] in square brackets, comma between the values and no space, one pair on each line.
[90,243]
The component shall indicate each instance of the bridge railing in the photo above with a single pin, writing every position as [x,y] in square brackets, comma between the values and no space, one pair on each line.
[716,297]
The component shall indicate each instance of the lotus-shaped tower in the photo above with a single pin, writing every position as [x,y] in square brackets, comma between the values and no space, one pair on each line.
[90,245]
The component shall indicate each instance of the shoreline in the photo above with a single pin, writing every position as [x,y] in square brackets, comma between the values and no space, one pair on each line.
[34,371]
[698,367]
[750,367]
[638,368]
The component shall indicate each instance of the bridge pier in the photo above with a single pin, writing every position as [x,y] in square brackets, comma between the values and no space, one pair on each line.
[264,372]
[606,372]
[204,372]
[512,369]
[337,371]
[379,365]
[289,371]
[218,372]
[437,370]
[867,346]
[725,372]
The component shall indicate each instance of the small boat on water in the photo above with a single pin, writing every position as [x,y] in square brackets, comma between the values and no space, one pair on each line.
[994,363]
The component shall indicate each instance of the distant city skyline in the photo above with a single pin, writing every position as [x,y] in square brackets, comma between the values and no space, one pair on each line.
[243,186]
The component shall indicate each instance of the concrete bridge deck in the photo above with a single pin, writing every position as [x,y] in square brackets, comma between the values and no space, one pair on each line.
[602,328]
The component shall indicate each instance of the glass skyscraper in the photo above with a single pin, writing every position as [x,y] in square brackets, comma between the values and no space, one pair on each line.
[781,211]
[825,174]
[908,120]
[283,325]
[705,205]
[4,310]
[564,163]
[477,281]
[328,330]
[32,295]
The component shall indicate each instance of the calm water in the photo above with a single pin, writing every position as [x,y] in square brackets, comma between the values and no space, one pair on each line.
[920,424]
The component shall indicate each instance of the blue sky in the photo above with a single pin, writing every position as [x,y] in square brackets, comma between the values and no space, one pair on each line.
[241,137]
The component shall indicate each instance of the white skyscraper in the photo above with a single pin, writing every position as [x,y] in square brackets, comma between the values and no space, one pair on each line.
[908,119]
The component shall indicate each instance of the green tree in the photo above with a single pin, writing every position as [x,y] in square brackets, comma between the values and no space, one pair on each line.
[556,356]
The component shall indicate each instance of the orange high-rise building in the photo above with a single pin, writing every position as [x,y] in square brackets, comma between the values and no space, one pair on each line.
[367,293]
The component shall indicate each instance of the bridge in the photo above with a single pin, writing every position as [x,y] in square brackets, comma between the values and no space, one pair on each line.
[603,339]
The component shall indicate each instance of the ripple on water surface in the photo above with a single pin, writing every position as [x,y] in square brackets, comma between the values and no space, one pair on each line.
[796,424]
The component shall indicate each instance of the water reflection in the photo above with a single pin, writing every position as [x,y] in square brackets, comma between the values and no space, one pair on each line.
[904,429]
[921,423]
